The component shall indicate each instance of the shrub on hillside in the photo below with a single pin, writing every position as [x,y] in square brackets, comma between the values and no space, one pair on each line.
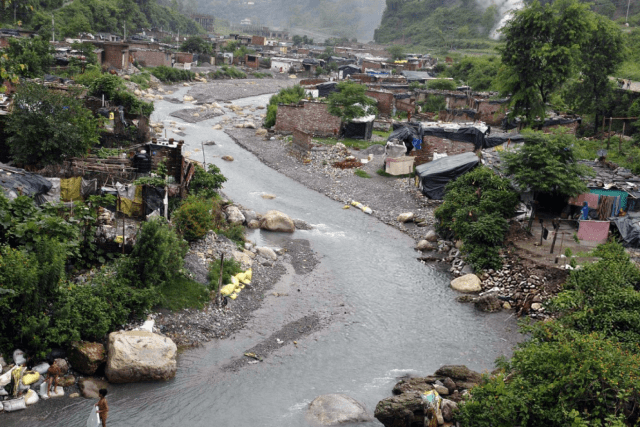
[196,216]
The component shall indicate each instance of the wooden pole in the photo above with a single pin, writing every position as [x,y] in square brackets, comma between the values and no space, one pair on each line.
[204,158]
[609,136]
[620,141]
[603,117]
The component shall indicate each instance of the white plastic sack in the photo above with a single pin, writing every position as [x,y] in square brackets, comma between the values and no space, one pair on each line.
[18,357]
[6,377]
[94,420]
[58,392]
[14,405]
[42,368]
[31,397]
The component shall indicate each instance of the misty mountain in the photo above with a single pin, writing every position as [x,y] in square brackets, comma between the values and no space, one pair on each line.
[339,18]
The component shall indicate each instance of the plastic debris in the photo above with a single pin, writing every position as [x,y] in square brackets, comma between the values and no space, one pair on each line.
[363,208]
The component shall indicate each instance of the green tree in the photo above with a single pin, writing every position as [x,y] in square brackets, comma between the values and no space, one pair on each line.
[48,127]
[87,55]
[601,54]
[29,57]
[350,101]
[196,44]
[546,163]
[474,210]
[289,95]
[396,51]
[541,52]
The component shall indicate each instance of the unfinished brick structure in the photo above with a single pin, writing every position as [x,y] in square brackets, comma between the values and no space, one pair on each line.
[258,40]
[385,99]
[184,57]
[434,144]
[310,117]
[115,55]
[252,61]
[492,112]
[300,144]
[151,58]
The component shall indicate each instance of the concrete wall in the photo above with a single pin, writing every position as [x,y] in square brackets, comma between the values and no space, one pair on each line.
[310,117]
[433,144]
[386,101]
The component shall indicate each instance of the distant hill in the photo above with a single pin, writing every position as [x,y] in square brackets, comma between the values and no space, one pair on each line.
[339,18]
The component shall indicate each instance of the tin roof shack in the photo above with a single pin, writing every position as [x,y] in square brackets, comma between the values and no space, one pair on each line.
[344,71]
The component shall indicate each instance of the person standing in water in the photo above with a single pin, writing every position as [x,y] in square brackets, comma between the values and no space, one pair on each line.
[103,406]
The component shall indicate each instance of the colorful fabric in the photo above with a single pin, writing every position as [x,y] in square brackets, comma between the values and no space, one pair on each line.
[594,231]
[70,189]
[612,193]
[590,198]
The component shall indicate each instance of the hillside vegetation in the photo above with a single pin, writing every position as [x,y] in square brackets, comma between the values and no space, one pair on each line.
[93,16]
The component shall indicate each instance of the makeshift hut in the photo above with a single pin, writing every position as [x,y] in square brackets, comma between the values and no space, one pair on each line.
[433,176]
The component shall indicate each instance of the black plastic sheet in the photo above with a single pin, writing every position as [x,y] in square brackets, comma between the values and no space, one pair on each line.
[436,174]
[21,182]
[359,130]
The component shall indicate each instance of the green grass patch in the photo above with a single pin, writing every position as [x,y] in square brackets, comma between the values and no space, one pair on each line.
[259,75]
[348,142]
[230,268]
[381,172]
[629,70]
[361,173]
[227,72]
[142,80]
[383,134]
[183,293]
[625,154]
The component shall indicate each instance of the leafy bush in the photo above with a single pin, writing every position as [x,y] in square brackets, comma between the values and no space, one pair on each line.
[46,127]
[168,74]
[350,101]
[479,72]
[559,378]
[441,84]
[230,268]
[290,95]
[434,104]
[205,184]
[114,89]
[91,73]
[474,210]
[142,80]
[234,233]
[195,217]
[29,57]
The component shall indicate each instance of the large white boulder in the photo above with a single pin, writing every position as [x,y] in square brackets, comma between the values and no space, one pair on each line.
[406,217]
[467,283]
[140,356]
[333,409]
[267,253]
[277,221]
[234,216]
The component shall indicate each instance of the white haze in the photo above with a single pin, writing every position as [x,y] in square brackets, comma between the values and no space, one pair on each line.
[506,9]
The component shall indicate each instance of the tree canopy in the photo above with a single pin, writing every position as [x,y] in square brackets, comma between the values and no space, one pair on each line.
[546,163]
[47,127]
[350,101]
[29,57]
[196,44]
[542,51]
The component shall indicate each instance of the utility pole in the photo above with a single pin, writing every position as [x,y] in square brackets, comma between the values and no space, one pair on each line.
[125,31]
[53,29]
[626,19]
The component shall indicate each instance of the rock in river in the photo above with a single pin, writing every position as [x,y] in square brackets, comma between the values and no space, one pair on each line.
[140,356]
[86,357]
[333,409]
[467,283]
[234,216]
[277,221]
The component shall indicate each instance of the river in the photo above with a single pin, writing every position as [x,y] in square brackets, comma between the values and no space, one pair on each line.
[386,315]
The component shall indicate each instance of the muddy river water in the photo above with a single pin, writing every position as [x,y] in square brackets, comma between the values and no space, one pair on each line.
[384,315]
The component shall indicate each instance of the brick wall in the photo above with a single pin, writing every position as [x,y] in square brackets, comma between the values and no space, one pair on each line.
[385,100]
[456,101]
[258,40]
[152,58]
[311,117]
[459,115]
[303,51]
[116,55]
[364,78]
[252,61]
[433,144]
[183,57]
[491,112]
[371,65]
[406,104]
[312,82]
[300,144]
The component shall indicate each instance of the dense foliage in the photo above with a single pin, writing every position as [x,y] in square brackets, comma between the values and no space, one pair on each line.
[581,369]
[441,84]
[546,163]
[290,95]
[114,89]
[478,72]
[205,184]
[350,102]
[474,210]
[29,57]
[196,44]
[230,267]
[48,127]
[168,74]
[196,216]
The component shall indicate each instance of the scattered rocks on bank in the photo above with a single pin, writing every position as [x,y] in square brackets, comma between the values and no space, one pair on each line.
[405,407]
[140,356]
[468,283]
[86,357]
[333,409]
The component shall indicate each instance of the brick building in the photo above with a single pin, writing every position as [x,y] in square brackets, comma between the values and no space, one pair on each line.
[258,40]
[151,58]
[252,61]
[115,55]
[448,139]
[183,57]
[306,116]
